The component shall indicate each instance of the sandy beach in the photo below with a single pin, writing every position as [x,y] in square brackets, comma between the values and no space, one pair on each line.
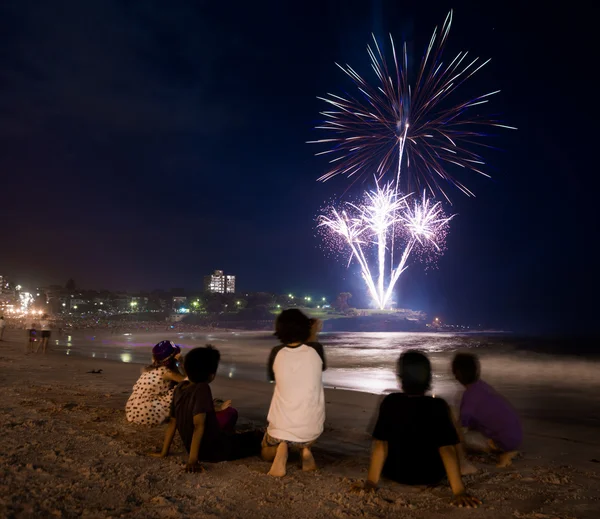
[67,451]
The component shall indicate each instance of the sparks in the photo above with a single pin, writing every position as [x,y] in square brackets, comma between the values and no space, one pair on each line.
[385,214]
[399,124]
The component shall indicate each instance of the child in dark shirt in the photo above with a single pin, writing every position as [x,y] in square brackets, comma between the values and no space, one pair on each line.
[486,415]
[193,415]
[414,440]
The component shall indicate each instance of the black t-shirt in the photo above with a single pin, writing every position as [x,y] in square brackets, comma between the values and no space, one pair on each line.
[318,347]
[189,400]
[415,427]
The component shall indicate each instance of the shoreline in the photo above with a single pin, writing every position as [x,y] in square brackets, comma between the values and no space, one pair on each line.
[69,452]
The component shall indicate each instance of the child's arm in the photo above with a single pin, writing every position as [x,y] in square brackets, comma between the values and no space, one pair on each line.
[192,464]
[452,466]
[316,325]
[169,434]
[171,375]
[379,454]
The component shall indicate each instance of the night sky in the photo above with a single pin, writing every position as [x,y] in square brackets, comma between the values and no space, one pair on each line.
[145,144]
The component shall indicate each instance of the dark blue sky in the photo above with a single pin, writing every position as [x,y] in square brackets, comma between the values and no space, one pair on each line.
[144,144]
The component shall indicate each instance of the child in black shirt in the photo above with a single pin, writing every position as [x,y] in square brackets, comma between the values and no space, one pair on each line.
[414,440]
[193,415]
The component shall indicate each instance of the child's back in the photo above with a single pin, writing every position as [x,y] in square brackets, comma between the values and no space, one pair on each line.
[297,411]
[415,427]
[484,410]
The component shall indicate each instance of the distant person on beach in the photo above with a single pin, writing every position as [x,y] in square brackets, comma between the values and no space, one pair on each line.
[491,423]
[193,415]
[297,413]
[2,326]
[30,327]
[415,440]
[46,331]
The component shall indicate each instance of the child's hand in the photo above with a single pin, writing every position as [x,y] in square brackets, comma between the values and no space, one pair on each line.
[194,467]
[225,405]
[465,501]
[316,325]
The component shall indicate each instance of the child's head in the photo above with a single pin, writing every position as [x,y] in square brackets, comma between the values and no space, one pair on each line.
[165,353]
[201,364]
[465,367]
[292,326]
[414,371]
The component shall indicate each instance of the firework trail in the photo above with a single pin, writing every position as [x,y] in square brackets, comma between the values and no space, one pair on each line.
[369,225]
[399,123]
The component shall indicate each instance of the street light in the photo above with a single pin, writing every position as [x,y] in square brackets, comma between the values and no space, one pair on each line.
[290,296]
[324,299]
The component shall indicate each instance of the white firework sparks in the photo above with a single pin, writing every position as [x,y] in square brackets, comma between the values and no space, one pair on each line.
[388,222]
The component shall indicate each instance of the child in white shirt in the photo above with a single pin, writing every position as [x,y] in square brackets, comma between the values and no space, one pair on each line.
[297,413]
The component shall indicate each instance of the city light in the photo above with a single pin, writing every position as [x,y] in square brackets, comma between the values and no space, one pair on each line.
[290,296]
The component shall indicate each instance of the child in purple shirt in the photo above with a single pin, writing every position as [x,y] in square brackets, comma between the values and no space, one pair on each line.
[486,412]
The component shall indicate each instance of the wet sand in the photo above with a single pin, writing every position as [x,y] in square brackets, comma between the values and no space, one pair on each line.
[67,451]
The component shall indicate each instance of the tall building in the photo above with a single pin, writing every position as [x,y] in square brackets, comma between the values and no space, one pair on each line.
[219,283]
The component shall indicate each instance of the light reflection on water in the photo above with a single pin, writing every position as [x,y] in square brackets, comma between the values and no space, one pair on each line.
[357,360]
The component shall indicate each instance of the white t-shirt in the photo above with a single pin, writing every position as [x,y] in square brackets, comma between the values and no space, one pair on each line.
[297,411]
[45,325]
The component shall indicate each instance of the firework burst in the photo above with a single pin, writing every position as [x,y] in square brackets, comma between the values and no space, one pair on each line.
[399,123]
[367,228]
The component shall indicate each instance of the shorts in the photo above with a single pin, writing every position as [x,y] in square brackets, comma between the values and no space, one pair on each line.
[476,441]
[269,441]
[45,334]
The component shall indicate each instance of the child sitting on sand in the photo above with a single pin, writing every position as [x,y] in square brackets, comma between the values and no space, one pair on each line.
[414,440]
[492,423]
[193,415]
[150,401]
[297,411]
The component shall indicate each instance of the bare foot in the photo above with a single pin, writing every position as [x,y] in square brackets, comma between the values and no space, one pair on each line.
[308,461]
[505,459]
[280,461]
[467,468]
